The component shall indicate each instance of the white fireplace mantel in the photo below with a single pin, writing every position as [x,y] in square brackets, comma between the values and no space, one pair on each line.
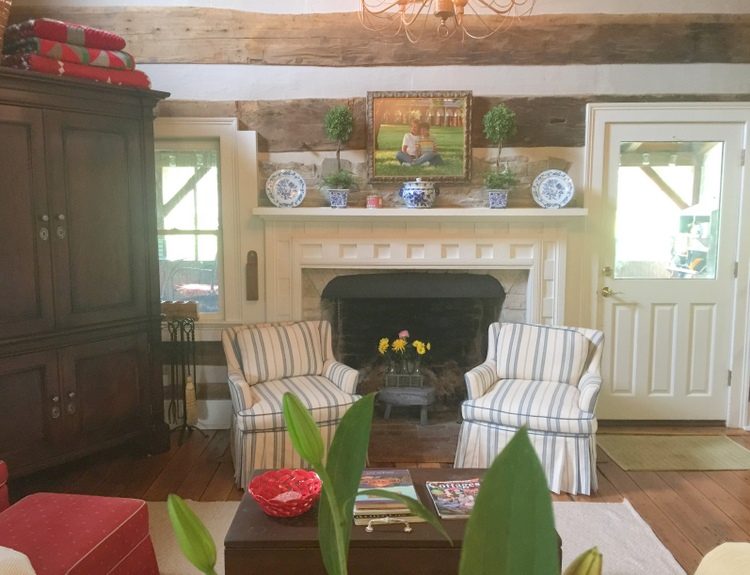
[476,240]
[507,214]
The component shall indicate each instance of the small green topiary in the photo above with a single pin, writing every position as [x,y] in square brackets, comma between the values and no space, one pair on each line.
[499,125]
[339,125]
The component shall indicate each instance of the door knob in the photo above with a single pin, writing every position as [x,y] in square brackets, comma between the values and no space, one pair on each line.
[606,292]
[607,271]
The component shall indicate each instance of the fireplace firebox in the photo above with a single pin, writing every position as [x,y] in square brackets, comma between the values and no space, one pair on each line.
[450,310]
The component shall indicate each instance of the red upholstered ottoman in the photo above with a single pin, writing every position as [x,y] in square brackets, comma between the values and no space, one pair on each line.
[80,534]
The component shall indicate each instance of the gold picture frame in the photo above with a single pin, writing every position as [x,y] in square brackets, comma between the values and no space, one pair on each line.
[439,151]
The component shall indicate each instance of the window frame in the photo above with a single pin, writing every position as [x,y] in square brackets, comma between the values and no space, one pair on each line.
[237,163]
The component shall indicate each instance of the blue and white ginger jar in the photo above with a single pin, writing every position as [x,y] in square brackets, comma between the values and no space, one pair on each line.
[418,194]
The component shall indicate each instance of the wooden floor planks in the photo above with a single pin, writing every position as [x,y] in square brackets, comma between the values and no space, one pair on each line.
[691,512]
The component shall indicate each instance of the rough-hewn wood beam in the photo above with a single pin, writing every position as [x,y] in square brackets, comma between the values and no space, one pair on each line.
[220,36]
[297,125]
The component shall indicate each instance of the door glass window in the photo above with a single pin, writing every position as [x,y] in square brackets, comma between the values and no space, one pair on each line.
[187,194]
[667,218]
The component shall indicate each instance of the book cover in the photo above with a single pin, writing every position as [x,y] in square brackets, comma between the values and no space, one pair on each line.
[394,480]
[453,499]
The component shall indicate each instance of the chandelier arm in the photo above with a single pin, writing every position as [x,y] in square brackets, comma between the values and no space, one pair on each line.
[506,7]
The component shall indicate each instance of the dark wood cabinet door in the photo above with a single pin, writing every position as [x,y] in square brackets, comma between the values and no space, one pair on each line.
[105,389]
[31,425]
[25,280]
[98,213]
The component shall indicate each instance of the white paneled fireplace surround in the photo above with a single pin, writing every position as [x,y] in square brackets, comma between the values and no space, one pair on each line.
[304,251]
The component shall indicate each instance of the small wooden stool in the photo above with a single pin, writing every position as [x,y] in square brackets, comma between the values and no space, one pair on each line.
[423,396]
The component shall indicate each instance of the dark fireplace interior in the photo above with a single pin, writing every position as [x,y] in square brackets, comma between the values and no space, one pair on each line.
[450,310]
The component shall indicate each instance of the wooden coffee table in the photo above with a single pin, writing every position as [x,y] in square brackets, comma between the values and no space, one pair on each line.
[259,544]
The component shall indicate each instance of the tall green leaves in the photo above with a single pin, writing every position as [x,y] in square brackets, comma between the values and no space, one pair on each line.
[511,529]
[192,536]
[340,474]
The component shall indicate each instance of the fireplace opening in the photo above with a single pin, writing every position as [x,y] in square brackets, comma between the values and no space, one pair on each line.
[451,311]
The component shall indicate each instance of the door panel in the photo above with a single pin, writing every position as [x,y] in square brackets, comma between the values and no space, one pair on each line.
[98,218]
[25,281]
[104,387]
[668,245]
[30,426]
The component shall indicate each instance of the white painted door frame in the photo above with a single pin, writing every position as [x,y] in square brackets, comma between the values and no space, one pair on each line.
[599,119]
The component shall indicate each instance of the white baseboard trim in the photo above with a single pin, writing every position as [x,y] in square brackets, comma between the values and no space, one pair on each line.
[212,414]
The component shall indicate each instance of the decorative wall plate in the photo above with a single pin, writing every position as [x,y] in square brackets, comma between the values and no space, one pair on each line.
[285,189]
[552,189]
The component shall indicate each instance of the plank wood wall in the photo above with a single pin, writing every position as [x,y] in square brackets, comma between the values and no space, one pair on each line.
[221,36]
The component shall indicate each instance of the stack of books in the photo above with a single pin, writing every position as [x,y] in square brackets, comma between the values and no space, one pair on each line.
[368,507]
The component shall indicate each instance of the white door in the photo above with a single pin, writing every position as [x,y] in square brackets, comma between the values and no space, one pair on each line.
[669,219]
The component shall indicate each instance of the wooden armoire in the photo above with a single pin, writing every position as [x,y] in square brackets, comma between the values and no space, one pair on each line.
[79,285]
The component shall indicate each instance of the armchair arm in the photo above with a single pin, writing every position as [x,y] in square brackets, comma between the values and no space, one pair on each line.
[588,387]
[241,392]
[480,379]
[342,376]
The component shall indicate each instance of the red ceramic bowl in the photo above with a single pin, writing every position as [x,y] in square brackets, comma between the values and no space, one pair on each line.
[285,492]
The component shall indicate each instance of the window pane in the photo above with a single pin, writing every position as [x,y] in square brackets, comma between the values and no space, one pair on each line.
[667,209]
[188,218]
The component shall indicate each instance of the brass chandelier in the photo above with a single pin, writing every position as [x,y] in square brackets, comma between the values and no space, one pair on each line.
[475,19]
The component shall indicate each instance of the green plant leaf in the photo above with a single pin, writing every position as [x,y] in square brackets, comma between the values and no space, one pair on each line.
[303,432]
[346,461]
[339,124]
[192,536]
[414,506]
[511,529]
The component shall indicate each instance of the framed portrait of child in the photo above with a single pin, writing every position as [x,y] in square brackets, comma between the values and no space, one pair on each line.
[419,135]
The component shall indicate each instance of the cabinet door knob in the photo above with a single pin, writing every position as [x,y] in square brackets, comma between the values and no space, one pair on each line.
[71,394]
[44,217]
[55,399]
[61,217]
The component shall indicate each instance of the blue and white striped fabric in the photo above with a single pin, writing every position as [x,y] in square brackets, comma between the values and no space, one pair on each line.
[539,405]
[277,351]
[569,462]
[259,436]
[540,353]
[544,378]
[325,402]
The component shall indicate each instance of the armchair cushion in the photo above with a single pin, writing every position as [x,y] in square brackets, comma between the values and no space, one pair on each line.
[279,351]
[325,402]
[540,405]
[541,353]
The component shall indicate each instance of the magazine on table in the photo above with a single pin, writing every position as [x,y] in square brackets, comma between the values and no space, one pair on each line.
[393,480]
[453,499]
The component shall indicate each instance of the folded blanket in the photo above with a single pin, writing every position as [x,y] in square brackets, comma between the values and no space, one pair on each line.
[133,78]
[73,53]
[63,32]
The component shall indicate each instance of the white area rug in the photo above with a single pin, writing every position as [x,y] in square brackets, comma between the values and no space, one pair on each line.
[627,542]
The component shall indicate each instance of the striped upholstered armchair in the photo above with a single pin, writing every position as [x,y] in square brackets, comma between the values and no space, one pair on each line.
[264,362]
[546,378]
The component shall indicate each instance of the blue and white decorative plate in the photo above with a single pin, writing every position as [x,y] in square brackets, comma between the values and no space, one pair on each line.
[552,189]
[285,189]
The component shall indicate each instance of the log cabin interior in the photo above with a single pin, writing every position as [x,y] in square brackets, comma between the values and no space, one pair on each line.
[199,177]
